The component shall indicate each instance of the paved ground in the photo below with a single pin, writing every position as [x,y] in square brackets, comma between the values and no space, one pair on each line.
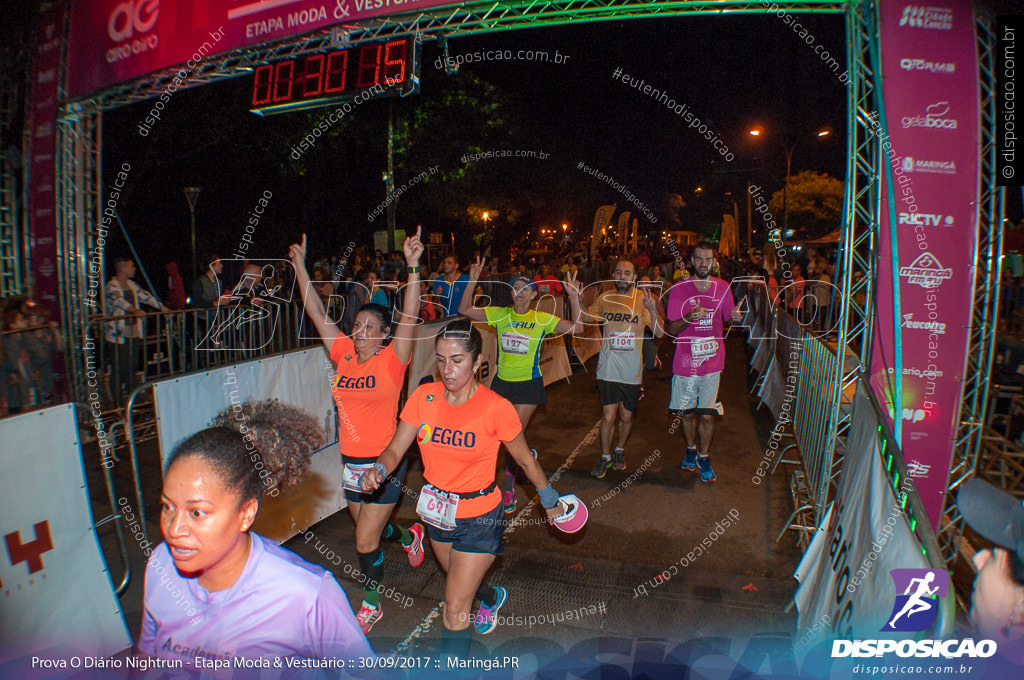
[601,585]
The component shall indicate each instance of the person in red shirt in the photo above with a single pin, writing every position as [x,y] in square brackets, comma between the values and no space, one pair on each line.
[546,283]
[459,425]
[366,388]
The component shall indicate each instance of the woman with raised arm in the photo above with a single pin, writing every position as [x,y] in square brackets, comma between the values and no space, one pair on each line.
[366,386]
[459,425]
[521,331]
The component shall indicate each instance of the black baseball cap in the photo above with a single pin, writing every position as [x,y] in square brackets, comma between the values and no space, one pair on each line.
[994,514]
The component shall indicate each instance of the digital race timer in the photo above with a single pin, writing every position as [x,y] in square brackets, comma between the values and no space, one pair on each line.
[372,70]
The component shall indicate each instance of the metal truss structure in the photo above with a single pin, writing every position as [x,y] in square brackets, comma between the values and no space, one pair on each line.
[12,219]
[80,190]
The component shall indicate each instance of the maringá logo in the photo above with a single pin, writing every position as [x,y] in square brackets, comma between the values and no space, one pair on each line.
[914,610]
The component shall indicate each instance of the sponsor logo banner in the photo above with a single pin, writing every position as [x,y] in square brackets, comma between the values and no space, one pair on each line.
[931,147]
[113,41]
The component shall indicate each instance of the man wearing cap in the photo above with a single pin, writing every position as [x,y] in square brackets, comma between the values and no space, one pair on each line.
[697,310]
[520,333]
[997,603]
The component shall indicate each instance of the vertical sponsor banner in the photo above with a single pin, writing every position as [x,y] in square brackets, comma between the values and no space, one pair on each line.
[56,597]
[186,405]
[930,89]
[41,152]
[601,219]
[844,575]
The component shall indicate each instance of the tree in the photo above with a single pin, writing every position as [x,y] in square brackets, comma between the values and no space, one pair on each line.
[814,202]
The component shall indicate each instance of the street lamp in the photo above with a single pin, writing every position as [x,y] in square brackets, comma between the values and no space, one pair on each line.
[756,132]
[192,196]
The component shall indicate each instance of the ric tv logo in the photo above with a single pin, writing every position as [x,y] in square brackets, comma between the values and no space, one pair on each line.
[126,24]
[915,609]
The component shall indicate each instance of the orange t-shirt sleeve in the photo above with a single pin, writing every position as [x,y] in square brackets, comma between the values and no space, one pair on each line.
[342,345]
[411,411]
[396,369]
[506,421]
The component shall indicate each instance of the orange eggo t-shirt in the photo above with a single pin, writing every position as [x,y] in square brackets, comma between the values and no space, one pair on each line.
[367,398]
[459,444]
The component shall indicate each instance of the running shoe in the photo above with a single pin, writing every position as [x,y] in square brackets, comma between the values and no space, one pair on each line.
[486,619]
[415,549]
[508,499]
[603,463]
[367,616]
[690,461]
[706,473]
[619,456]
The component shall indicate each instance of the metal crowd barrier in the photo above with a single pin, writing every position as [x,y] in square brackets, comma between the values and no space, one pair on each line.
[184,341]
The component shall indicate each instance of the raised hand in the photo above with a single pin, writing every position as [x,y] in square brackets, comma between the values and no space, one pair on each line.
[476,268]
[297,253]
[572,286]
[648,302]
[413,248]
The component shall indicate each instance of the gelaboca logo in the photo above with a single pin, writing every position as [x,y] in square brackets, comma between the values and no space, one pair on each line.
[934,117]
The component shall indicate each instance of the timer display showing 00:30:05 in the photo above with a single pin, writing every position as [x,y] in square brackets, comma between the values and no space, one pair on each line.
[330,74]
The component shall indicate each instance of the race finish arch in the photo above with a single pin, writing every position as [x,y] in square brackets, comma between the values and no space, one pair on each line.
[124,51]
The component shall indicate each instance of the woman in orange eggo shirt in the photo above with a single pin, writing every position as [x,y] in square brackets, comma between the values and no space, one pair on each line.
[366,388]
[459,425]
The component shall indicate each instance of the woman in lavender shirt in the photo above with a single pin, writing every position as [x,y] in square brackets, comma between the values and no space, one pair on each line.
[219,597]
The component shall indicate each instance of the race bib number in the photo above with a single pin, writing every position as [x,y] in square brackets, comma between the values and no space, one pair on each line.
[702,349]
[352,473]
[622,342]
[515,343]
[437,508]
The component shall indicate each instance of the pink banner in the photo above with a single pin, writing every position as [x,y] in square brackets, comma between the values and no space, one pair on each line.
[41,150]
[930,89]
[112,41]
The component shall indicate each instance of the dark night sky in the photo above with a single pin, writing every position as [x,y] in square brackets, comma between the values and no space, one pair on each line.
[730,71]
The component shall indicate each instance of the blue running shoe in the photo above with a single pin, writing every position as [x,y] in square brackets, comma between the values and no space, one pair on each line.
[486,619]
[706,473]
[690,461]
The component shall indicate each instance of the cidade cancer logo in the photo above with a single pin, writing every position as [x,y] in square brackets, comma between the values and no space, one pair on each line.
[914,609]
[934,117]
[126,24]
[935,18]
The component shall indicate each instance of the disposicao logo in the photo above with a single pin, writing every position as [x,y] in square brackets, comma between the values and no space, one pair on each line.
[915,609]
[917,601]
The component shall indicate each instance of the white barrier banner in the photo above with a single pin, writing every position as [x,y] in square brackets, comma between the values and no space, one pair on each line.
[844,575]
[54,585]
[186,405]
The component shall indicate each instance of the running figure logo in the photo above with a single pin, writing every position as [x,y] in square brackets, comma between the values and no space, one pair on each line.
[915,609]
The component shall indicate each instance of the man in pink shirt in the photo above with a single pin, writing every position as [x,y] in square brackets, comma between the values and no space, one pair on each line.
[698,308]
